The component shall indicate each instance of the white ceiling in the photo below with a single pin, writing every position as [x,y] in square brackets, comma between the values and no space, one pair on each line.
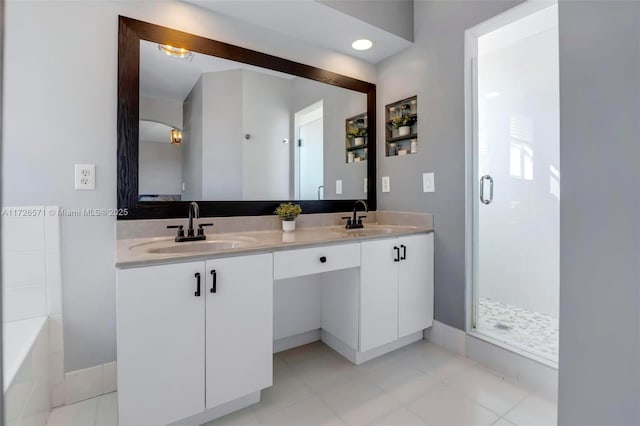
[163,76]
[313,22]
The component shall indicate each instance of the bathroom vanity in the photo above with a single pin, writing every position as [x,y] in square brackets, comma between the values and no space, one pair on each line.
[196,325]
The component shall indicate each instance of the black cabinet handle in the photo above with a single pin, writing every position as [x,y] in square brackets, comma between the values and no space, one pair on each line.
[404,252]
[323,259]
[214,275]
[397,258]
[197,293]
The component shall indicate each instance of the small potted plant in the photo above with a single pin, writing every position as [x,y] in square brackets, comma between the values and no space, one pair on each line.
[403,124]
[357,135]
[288,213]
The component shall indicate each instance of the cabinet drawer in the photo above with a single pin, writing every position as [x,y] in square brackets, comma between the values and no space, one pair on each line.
[294,263]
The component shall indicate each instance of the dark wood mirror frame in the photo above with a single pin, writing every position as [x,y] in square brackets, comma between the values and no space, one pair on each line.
[130,32]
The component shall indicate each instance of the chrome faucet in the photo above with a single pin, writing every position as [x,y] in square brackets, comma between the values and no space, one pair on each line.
[194,213]
[355,222]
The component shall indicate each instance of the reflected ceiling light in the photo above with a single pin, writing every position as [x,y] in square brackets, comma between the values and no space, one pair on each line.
[175,135]
[362,44]
[175,52]
[492,95]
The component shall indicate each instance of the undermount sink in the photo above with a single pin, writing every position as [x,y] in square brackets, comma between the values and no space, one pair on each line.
[171,247]
[367,231]
[196,247]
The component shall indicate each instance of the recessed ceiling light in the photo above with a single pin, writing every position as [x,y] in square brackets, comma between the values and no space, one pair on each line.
[176,52]
[492,95]
[362,44]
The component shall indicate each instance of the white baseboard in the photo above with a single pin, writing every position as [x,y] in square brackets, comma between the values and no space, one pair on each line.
[90,382]
[532,373]
[219,411]
[296,340]
[536,375]
[360,357]
[450,338]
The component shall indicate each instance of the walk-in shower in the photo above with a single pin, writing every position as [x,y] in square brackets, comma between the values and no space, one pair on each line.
[514,129]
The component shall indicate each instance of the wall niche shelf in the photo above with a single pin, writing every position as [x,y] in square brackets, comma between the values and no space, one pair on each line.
[397,143]
[355,128]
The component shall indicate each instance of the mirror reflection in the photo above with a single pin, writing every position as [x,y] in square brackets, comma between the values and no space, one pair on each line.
[218,130]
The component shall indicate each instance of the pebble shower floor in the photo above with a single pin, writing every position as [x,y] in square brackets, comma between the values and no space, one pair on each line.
[532,331]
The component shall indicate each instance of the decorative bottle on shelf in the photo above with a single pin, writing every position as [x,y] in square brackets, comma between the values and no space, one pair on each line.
[414,146]
[350,157]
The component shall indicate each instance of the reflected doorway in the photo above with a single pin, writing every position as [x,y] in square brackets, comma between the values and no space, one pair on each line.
[309,153]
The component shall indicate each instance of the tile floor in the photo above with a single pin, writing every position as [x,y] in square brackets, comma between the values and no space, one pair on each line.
[421,384]
[535,332]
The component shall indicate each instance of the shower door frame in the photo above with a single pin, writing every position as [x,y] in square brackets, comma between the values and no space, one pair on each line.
[471,37]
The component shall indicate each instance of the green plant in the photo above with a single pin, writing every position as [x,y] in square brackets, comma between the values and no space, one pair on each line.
[402,121]
[357,133]
[288,211]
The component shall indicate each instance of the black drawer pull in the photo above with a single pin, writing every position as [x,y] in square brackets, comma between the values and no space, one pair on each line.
[397,258]
[404,252]
[323,259]
[214,275]
[197,293]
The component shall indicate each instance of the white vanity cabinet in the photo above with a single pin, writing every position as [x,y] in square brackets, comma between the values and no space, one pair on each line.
[161,348]
[239,327]
[179,341]
[396,289]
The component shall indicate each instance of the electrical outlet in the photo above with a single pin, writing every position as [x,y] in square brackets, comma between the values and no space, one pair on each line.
[338,186]
[85,177]
[428,183]
[386,184]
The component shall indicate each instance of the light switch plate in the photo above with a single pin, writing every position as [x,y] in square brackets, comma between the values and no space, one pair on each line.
[85,177]
[386,184]
[366,186]
[428,182]
[338,186]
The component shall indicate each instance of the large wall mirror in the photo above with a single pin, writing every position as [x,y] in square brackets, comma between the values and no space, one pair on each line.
[236,130]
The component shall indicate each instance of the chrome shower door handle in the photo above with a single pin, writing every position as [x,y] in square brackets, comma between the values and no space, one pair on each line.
[482,181]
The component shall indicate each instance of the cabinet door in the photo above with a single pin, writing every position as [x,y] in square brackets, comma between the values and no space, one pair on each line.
[239,327]
[378,294]
[160,335]
[415,284]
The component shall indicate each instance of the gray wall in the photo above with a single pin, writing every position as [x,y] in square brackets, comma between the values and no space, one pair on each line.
[266,101]
[394,16]
[599,380]
[193,133]
[160,170]
[338,104]
[1,110]
[220,154]
[433,68]
[68,115]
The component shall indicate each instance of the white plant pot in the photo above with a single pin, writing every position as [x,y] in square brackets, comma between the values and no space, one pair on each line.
[404,130]
[288,225]
[358,141]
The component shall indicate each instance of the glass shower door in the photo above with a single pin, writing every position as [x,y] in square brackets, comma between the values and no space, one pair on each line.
[517,173]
